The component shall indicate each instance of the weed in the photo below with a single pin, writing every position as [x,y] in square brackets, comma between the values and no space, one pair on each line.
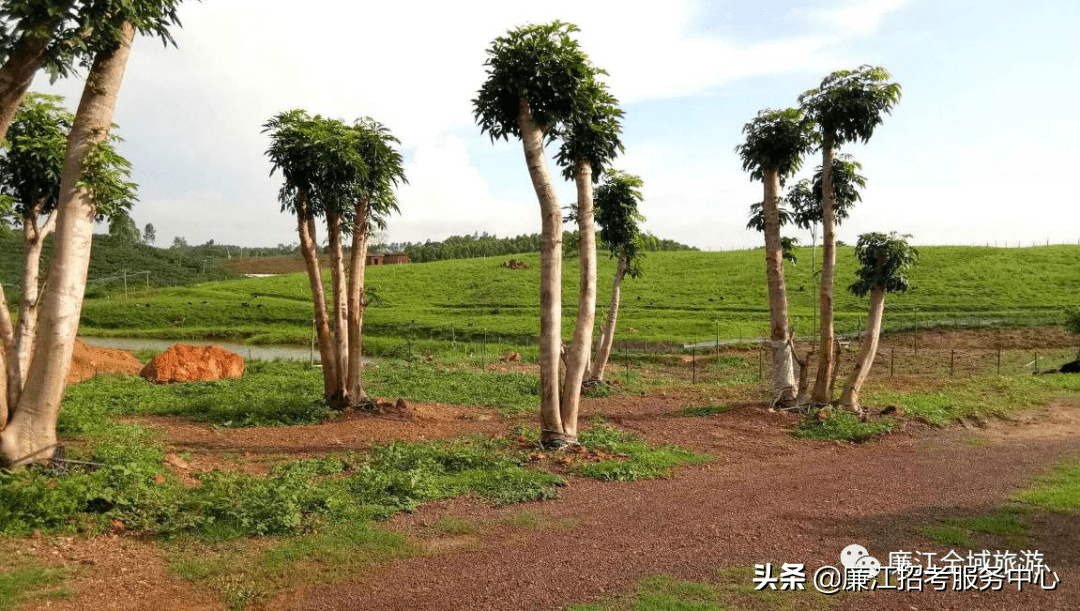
[703,410]
[842,426]
[641,462]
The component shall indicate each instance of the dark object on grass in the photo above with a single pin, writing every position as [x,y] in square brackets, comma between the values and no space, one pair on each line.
[1073,367]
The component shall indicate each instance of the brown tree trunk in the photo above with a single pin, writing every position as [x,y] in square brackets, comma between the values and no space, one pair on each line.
[18,71]
[341,309]
[850,398]
[578,356]
[607,335]
[826,356]
[783,371]
[802,395]
[31,433]
[532,139]
[357,300]
[309,250]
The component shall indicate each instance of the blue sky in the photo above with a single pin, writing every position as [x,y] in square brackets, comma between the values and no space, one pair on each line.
[979,150]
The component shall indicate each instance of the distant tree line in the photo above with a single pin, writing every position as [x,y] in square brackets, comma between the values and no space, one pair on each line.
[485,245]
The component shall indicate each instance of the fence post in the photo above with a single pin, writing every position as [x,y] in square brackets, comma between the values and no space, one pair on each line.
[718,339]
[1036,362]
[952,362]
[626,353]
[483,353]
[760,364]
[999,361]
[916,332]
[892,361]
[693,365]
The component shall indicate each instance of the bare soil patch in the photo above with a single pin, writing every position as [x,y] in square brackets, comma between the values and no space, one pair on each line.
[88,361]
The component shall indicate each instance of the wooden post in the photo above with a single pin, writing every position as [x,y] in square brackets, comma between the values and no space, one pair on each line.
[760,363]
[626,352]
[892,361]
[483,353]
[717,339]
[1036,363]
[952,362]
[999,361]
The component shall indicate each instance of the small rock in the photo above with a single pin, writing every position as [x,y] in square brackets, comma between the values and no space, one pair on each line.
[159,479]
[175,461]
[401,404]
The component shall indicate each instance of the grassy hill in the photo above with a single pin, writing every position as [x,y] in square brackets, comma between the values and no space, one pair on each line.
[109,257]
[683,297]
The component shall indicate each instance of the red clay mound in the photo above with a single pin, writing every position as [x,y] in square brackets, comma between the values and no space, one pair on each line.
[182,363]
[88,361]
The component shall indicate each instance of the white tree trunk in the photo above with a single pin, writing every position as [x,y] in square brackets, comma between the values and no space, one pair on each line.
[309,250]
[577,358]
[31,433]
[532,139]
[26,329]
[607,336]
[7,346]
[850,398]
[341,308]
[826,354]
[357,301]
[783,371]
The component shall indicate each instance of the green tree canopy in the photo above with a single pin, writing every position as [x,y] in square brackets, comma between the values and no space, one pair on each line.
[541,64]
[849,104]
[616,202]
[593,132]
[385,170]
[776,139]
[32,162]
[804,198]
[885,260]
[318,157]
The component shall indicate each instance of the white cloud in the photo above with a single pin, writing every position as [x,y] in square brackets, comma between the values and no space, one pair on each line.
[193,114]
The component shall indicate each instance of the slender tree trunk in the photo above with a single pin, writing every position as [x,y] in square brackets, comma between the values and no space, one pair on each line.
[850,397]
[803,394]
[18,71]
[783,371]
[309,250]
[26,330]
[31,433]
[341,309]
[577,358]
[826,356]
[607,336]
[357,300]
[532,139]
[7,347]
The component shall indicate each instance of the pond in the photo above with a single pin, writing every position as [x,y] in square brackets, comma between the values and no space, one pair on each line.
[260,352]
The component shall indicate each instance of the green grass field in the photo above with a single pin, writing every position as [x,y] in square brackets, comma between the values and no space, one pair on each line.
[683,297]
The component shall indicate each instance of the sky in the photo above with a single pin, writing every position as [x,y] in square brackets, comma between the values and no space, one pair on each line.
[979,150]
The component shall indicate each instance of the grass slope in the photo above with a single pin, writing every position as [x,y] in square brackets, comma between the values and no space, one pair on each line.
[109,257]
[684,296]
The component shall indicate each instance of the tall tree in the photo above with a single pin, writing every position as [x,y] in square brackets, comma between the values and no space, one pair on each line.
[847,106]
[321,163]
[776,141]
[616,201]
[149,234]
[538,82]
[885,261]
[31,165]
[590,141]
[30,434]
[374,200]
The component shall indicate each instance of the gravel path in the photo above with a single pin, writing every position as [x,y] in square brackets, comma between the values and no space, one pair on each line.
[766,498]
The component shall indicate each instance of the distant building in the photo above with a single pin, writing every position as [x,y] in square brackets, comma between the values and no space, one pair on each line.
[387,258]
